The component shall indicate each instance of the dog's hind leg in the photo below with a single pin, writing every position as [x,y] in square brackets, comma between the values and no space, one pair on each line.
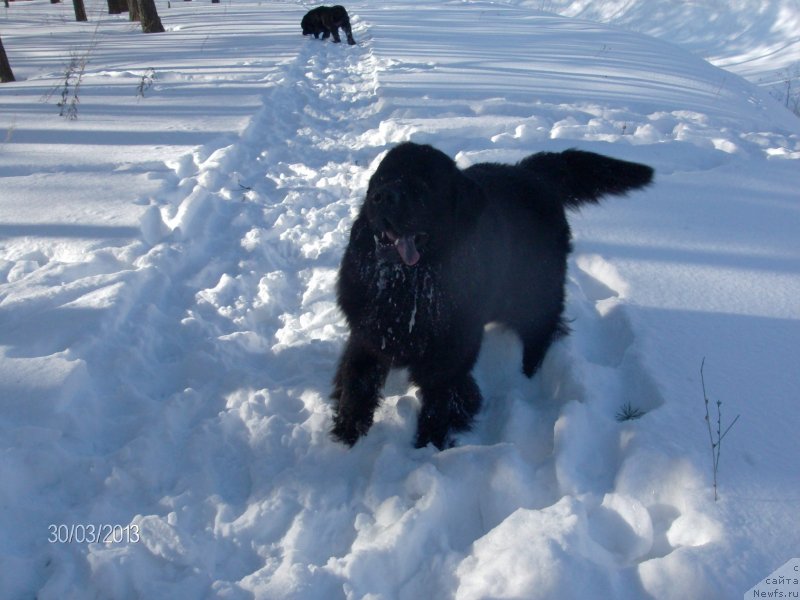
[356,392]
[536,341]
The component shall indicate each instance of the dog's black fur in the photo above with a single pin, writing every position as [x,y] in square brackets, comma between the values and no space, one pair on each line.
[436,253]
[327,20]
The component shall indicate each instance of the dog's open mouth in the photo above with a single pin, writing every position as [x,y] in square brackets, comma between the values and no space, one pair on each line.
[407,246]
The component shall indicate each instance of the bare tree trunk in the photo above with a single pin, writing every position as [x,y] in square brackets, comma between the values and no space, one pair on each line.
[151,23]
[133,10]
[80,10]
[6,74]
[117,7]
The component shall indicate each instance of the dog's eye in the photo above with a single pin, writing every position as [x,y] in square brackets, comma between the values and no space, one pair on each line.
[388,196]
[382,196]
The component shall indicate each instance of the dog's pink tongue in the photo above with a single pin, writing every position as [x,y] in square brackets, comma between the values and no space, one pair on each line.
[407,250]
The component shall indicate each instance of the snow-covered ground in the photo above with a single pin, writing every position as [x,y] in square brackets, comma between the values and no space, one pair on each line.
[168,329]
[757,39]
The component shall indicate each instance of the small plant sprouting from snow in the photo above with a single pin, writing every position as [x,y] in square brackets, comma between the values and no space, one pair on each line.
[146,82]
[720,434]
[628,412]
[68,90]
[787,89]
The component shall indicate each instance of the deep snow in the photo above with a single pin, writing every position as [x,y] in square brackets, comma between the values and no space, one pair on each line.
[168,328]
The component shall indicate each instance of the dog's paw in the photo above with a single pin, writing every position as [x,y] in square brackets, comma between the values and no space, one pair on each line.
[437,434]
[440,442]
[348,431]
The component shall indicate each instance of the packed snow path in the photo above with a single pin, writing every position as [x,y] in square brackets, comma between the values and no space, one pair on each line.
[182,368]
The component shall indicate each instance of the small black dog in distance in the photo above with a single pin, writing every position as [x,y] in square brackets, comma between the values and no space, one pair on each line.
[327,20]
[436,253]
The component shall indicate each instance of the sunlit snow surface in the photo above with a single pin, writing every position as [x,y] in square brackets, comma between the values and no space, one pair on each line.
[168,329]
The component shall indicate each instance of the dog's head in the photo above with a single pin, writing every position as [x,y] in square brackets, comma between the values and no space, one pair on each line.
[338,14]
[417,203]
[307,23]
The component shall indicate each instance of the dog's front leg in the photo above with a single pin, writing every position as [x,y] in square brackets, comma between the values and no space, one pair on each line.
[447,408]
[450,396]
[348,31]
[356,392]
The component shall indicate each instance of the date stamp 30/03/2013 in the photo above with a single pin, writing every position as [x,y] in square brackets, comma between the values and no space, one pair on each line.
[104,533]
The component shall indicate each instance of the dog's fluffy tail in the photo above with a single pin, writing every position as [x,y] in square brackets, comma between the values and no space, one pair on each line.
[584,177]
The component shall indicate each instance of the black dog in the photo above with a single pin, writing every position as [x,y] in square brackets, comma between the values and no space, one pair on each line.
[436,253]
[327,20]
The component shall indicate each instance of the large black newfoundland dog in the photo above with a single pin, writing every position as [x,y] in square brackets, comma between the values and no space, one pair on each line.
[327,20]
[436,253]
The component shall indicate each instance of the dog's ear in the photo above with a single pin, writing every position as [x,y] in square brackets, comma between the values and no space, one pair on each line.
[468,200]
